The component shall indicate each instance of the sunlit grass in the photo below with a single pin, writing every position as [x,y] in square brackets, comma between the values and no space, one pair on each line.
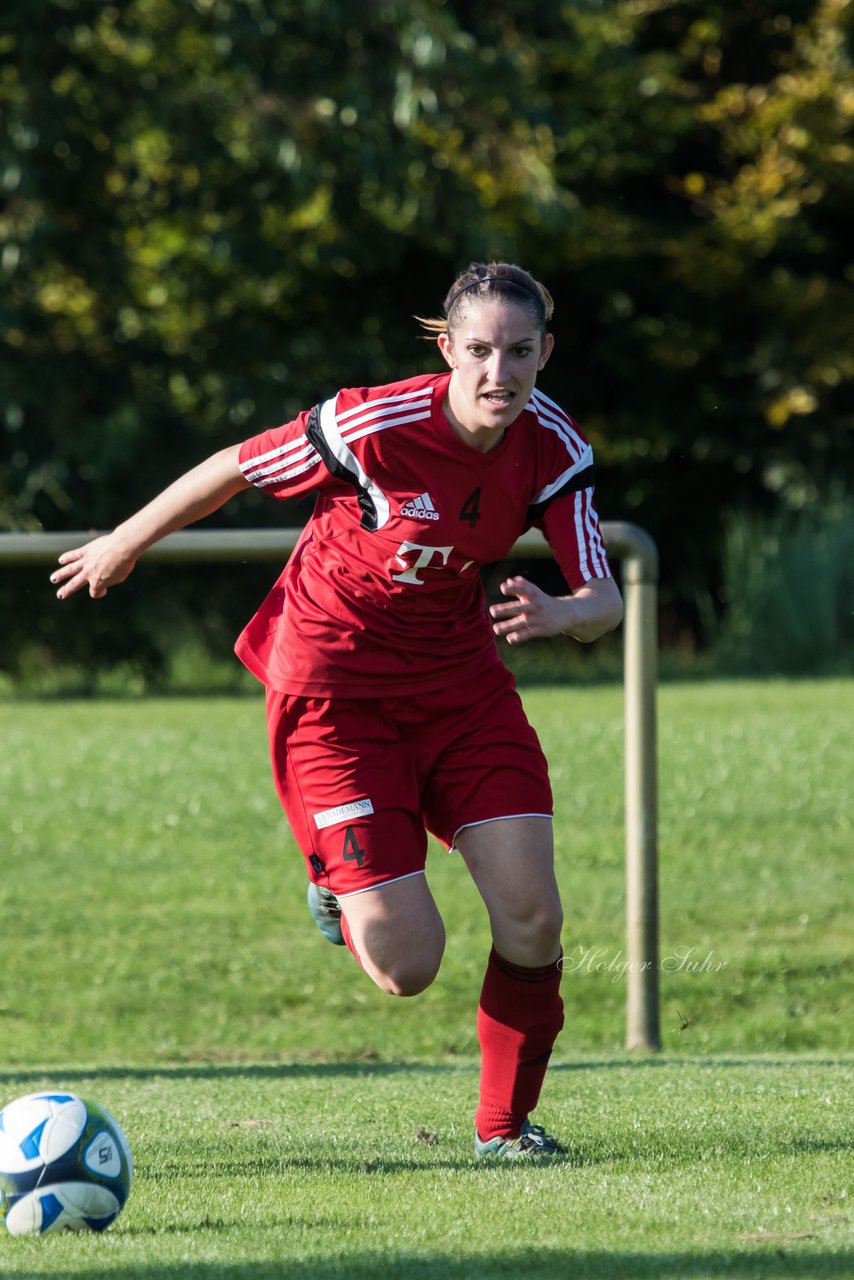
[290,1121]
[677,1168]
[150,872]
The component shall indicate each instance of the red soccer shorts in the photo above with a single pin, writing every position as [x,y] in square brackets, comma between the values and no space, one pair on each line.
[361,778]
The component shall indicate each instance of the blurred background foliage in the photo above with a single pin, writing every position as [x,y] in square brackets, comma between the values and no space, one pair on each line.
[218,211]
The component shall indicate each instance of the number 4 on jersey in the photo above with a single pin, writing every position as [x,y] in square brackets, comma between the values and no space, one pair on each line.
[352,852]
[470,510]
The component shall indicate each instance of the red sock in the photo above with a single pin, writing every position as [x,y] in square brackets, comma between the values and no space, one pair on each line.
[518,1020]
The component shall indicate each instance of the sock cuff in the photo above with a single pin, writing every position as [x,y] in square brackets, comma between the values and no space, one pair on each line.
[521,973]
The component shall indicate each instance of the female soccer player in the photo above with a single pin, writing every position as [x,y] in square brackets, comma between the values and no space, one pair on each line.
[388,709]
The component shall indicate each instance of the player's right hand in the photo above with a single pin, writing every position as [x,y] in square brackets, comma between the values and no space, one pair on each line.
[98,565]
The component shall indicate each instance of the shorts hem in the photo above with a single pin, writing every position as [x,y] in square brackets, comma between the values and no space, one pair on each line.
[503,817]
[380,884]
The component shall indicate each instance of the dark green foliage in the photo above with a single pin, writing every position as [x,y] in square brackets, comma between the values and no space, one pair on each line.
[790,585]
[218,212]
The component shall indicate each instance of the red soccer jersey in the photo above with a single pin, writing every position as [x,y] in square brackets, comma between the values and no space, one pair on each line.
[382,595]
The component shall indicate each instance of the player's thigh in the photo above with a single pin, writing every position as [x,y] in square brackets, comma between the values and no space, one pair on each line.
[348,787]
[512,863]
[488,763]
[489,796]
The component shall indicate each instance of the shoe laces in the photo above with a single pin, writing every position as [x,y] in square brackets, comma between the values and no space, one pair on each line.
[329,902]
[535,1138]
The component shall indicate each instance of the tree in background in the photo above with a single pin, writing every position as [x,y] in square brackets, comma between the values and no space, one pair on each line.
[217,212]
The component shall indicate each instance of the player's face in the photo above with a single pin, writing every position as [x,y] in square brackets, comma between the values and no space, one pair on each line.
[496,352]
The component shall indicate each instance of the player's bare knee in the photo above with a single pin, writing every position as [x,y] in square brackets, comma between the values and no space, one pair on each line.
[539,923]
[550,921]
[405,965]
[545,916]
[410,983]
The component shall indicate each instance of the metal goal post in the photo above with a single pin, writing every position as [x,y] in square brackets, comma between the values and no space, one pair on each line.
[637,552]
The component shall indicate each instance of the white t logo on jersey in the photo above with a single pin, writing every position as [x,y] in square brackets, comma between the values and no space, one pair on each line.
[412,556]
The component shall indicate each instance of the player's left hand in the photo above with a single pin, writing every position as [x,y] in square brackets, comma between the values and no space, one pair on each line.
[529,615]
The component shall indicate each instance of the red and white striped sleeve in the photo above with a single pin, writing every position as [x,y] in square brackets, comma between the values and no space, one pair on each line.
[571,528]
[283,461]
[563,508]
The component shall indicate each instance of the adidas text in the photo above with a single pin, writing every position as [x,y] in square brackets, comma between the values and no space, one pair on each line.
[420,508]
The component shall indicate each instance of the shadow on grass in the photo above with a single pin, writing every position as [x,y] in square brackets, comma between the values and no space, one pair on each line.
[237,1070]
[366,1069]
[765,1261]
[705,1062]
[370,1067]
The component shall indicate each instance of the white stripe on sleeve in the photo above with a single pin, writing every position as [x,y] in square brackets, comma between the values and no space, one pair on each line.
[581,534]
[398,401]
[347,458]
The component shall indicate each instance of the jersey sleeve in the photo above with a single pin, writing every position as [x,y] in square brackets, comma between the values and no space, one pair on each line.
[283,461]
[562,507]
[571,527]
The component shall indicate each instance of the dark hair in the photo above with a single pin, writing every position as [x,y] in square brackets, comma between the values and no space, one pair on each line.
[487,280]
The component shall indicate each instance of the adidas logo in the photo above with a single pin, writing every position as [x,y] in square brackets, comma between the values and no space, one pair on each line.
[420,508]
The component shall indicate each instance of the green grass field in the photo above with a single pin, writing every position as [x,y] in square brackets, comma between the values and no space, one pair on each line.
[289,1120]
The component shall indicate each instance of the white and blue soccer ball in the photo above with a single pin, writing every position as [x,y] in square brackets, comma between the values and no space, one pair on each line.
[65,1165]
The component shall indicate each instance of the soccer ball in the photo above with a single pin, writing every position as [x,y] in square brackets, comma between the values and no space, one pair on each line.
[65,1165]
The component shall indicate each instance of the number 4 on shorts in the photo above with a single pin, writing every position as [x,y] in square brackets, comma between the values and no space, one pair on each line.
[352,852]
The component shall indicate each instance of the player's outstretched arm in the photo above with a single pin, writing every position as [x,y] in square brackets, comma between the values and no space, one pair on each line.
[588,613]
[106,561]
